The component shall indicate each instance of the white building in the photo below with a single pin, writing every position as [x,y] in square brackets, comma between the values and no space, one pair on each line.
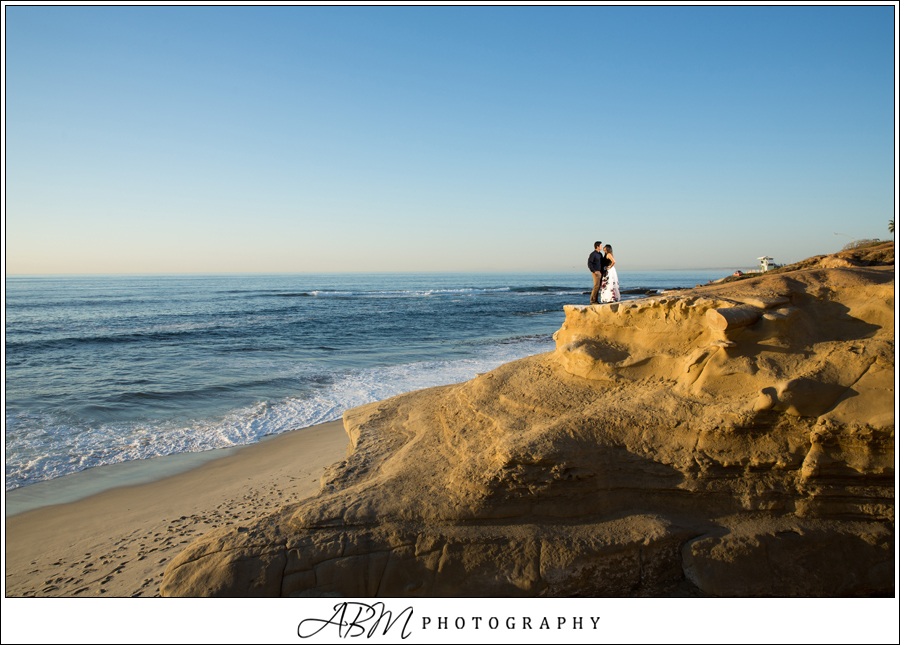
[766,263]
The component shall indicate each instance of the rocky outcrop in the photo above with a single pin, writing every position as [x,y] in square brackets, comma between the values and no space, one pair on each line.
[734,439]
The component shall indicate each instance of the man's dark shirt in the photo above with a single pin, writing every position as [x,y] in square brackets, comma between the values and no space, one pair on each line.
[597,262]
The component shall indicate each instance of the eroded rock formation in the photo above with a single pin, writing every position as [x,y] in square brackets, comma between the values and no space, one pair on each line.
[736,439]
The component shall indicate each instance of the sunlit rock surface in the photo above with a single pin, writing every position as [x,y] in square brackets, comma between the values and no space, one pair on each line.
[732,440]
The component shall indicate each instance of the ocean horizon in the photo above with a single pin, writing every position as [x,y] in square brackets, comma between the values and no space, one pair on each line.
[106,369]
[724,270]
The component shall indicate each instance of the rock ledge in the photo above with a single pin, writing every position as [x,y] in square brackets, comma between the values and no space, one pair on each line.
[735,438]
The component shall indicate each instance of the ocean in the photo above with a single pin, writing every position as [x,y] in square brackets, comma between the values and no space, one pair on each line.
[108,369]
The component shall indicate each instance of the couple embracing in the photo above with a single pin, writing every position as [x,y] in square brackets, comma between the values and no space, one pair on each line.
[601,264]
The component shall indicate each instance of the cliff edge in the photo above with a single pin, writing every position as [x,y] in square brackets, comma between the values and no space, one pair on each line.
[731,440]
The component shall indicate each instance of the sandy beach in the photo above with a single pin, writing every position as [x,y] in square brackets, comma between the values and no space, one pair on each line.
[118,542]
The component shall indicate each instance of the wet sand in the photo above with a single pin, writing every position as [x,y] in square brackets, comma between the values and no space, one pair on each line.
[116,543]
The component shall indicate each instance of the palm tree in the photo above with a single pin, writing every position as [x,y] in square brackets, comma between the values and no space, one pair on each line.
[891,226]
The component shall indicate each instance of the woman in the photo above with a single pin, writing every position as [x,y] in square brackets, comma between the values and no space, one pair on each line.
[609,288]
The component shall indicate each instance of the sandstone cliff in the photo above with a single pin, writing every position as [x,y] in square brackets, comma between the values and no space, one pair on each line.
[735,439]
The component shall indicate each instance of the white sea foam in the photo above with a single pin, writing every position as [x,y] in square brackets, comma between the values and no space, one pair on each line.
[41,447]
[407,293]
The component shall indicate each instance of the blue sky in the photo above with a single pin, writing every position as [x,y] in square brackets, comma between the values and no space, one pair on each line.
[239,139]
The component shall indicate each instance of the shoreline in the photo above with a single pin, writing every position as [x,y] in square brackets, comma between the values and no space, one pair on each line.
[117,541]
[85,483]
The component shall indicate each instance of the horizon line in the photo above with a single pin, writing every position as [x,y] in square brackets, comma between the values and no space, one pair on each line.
[201,273]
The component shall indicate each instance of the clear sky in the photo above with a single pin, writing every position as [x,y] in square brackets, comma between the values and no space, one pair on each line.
[281,139]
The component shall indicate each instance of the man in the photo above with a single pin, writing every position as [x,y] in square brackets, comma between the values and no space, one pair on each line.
[597,267]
